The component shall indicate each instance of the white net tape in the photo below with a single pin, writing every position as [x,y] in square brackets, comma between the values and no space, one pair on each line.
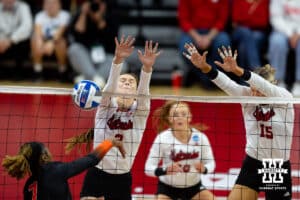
[204,99]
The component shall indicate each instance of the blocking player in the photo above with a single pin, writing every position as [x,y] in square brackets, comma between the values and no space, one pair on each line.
[269,128]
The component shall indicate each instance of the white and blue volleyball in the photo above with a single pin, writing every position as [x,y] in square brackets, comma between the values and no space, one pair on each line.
[86,94]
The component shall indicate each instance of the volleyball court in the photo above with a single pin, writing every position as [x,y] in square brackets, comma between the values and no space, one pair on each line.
[50,116]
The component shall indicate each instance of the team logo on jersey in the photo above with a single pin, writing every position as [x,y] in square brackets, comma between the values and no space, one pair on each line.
[195,138]
[272,173]
[183,155]
[260,115]
[115,123]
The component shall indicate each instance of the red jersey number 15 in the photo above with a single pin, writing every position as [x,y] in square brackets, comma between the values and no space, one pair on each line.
[266,131]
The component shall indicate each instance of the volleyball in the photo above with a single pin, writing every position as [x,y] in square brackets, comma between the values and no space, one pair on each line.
[86,94]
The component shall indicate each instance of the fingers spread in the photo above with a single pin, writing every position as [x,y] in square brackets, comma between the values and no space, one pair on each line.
[155,47]
[186,55]
[122,39]
[221,53]
[219,64]
[116,41]
[146,47]
[229,51]
[235,55]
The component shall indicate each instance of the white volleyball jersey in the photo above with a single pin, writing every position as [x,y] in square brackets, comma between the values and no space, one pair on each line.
[168,149]
[50,25]
[128,126]
[269,128]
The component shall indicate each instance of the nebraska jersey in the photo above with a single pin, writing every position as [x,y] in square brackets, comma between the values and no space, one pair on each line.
[168,149]
[127,126]
[269,128]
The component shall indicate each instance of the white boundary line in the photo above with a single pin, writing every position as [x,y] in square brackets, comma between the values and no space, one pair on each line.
[205,99]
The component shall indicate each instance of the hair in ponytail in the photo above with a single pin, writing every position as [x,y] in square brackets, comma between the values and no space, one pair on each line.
[18,166]
[84,138]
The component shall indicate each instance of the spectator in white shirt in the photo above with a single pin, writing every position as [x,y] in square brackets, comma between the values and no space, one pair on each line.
[285,21]
[48,37]
[15,30]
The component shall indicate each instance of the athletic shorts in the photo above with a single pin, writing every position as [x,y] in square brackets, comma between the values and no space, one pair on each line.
[179,193]
[250,177]
[98,183]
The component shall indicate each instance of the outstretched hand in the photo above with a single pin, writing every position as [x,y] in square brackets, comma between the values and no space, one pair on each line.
[124,48]
[229,60]
[120,146]
[149,57]
[196,58]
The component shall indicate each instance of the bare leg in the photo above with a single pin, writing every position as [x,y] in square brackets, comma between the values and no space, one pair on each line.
[204,195]
[240,192]
[61,54]
[37,52]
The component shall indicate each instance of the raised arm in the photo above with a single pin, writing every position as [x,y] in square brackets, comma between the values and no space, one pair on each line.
[266,87]
[77,166]
[124,49]
[147,59]
[219,78]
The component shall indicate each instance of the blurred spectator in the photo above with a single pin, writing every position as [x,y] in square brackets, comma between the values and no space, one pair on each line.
[203,23]
[37,5]
[285,21]
[15,30]
[250,22]
[91,37]
[48,36]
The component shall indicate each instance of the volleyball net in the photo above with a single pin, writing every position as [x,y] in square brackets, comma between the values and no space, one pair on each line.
[49,115]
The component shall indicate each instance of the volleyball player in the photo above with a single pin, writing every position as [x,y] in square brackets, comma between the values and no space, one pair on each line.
[49,180]
[269,128]
[121,117]
[185,153]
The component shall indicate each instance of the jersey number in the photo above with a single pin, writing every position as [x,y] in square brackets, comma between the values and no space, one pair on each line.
[266,131]
[119,137]
[33,188]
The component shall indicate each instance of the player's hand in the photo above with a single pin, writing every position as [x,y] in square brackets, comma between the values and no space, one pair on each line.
[199,166]
[124,48]
[229,60]
[149,57]
[174,168]
[117,143]
[196,58]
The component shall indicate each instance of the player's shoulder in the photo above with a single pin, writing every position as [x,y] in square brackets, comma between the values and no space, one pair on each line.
[197,134]
[166,134]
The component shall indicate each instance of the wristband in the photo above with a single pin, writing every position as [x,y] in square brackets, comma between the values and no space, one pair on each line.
[212,74]
[160,171]
[103,148]
[246,75]
[205,170]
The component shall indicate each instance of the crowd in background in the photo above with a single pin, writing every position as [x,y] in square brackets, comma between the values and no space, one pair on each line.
[263,31]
